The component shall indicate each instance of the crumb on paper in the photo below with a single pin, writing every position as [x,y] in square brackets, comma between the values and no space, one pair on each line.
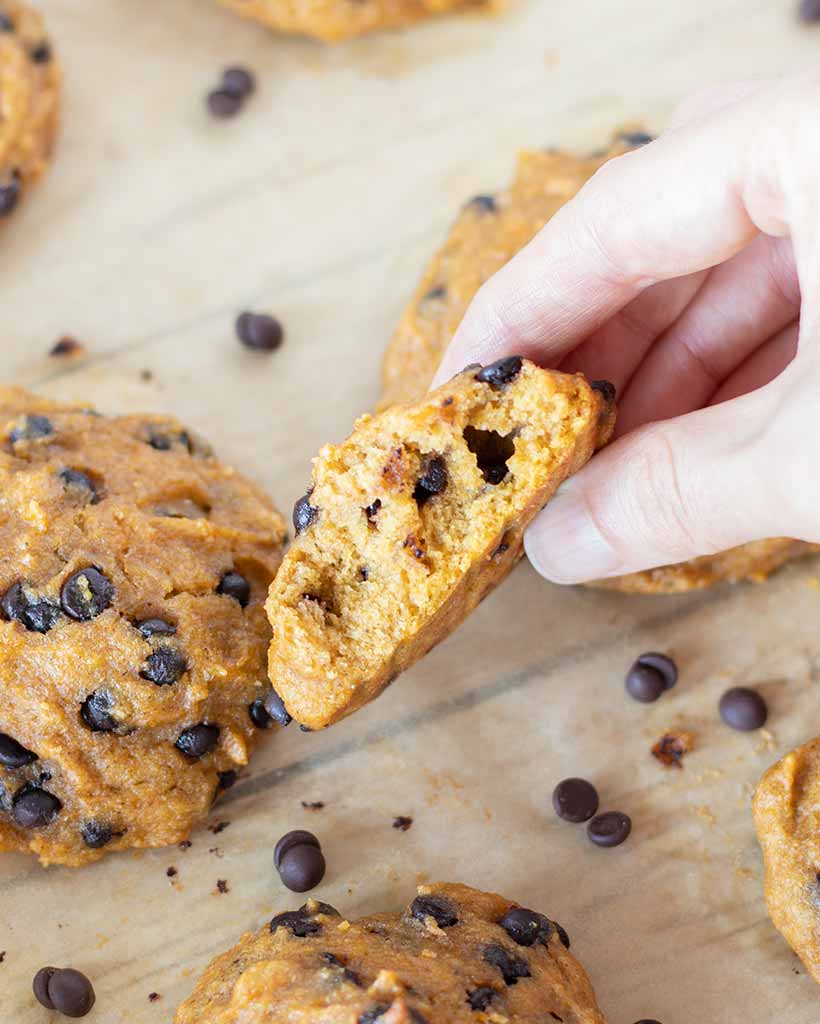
[216,851]
[2,956]
[313,805]
[672,747]
[222,885]
[186,844]
[172,872]
[67,346]
[147,376]
[767,744]
[154,997]
[746,874]
[402,823]
[220,826]
[706,813]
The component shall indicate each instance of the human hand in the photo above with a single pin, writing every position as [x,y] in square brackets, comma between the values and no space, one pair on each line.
[677,274]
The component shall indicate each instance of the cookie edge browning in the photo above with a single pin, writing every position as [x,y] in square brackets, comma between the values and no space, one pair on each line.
[483,576]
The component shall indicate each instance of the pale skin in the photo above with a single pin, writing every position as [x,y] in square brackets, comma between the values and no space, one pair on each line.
[688,274]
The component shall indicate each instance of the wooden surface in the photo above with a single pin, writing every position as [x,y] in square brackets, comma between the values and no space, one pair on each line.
[321,203]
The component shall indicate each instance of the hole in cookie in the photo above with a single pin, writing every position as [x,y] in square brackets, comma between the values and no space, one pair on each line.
[492,452]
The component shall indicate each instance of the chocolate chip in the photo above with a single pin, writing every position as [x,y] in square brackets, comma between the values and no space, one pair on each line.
[65,346]
[239,81]
[86,594]
[198,740]
[484,204]
[41,54]
[501,372]
[402,824]
[575,800]
[259,331]
[33,807]
[647,1022]
[636,139]
[480,998]
[258,714]
[439,908]
[304,514]
[155,627]
[164,667]
[372,510]
[809,11]
[439,292]
[373,1013]
[14,755]
[661,663]
[298,922]
[234,584]
[224,780]
[163,442]
[77,481]
[37,615]
[31,428]
[67,991]
[333,961]
[301,867]
[512,967]
[644,683]
[40,986]
[606,388]
[96,712]
[275,707]
[224,103]
[743,709]
[433,480]
[298,837]
[96,834]
[609,829]
[526,927]
[6,24]
[562,934]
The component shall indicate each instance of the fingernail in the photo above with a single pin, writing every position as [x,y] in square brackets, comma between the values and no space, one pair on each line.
[564,544]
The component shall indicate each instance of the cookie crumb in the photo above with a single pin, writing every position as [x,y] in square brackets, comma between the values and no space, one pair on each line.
[186,844]
[67,346]
[154,997]
[215,850]
[147,376]
[172,872]
[222,885]
[2,956]
[313,805]
[672,747]
[220,826]
[402,823]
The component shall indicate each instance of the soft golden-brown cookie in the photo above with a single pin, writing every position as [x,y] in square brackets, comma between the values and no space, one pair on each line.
[489,231]
[413,519]
[333,20]
[787,817]
[133,638]
[29,97]
[455,956]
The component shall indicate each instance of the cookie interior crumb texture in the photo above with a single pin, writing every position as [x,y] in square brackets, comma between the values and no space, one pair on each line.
[133,637]
[412,520]
[455,955]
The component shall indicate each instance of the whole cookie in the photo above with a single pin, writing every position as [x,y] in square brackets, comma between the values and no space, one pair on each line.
[29,97]
[133,638]
[455,955]
[333,20]
[490,230]
[787,818]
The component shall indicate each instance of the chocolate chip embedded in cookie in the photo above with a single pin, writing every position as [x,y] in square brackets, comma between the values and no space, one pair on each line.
[787,818]
[29,87]
[132,643]
[491,960]
[413,520]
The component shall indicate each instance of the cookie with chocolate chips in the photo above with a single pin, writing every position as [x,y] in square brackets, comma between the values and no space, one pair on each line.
[455,956]
[29,89]
[133,641]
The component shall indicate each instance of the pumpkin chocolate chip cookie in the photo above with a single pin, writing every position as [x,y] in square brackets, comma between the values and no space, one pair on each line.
[455,955]
[787,817]
[413,519]
[490,230]
[133,636]
[29,96]
[333,20]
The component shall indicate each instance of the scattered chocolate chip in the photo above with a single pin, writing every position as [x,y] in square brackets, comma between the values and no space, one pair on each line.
[95,711]
[636,139]
[186,844]
[402,824]
[153,997]
[86,594]
[40,986]
[313,805]
[526,927]
[66,346]
[672,747]
[304,514]
[96,834]
[275,707]
[33,807]
[164,667]
[239,81]
[259,331]
[606,388]
[575,800]
[439,908]
[484,204]
[301,867]
[14,755]
[809,11]
[501,372]
[74,480]
[41,54]
[433,480]
[219,827]
[647,1022]
[663,664]
[223,103]
[155,627]
[743,709]
[609,829]
[299,922]
[234,584]
[480,998]
[222,886]
[10,194]
[31,428]
[258,714]
[298,837]
[512,967]
[171,872]
[198,740]
[644,683]
[224,780]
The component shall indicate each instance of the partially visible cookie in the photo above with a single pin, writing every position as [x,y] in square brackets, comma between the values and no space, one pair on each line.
[787,817]
[334,20]
[455,956]
[29,99]
[133,637]
[411,522]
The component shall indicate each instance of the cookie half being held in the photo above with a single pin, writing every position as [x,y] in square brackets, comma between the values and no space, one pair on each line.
[455,956]
[413,519]
[787,818]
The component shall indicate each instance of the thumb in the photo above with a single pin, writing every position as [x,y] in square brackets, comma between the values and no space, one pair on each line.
[668,492]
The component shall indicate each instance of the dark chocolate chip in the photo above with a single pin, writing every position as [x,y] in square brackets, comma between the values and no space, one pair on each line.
[512,967]
[198,740]
[439,292]
[33,807]
[9,195]
[439,908]
[373,1013]
[609,829]
[97,834]
[661,663]
[562,934]
[163,442]
[647,1022]
[234,584]
[37,615]
[743,709]
[484,204]
[372,510]
[41,54]
[13,754]
[155,627]
[637,139]
[223,102]
[86,594]
[65,346]
[96,712]
[606,388]
[239,81]
[433,479]
[259,715]
[224,780]
[6,24]
[164,667]
[31,428]
[299,922]
[526,927]
[67,991]
[259,331]
[333,961]
[40,986]
[304,514]
[501,372]
[480,998]
[644,683]
[809,11]
[402,824]
[76,481]
[301,867]
[299,837]
[575,800]
[275,707]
